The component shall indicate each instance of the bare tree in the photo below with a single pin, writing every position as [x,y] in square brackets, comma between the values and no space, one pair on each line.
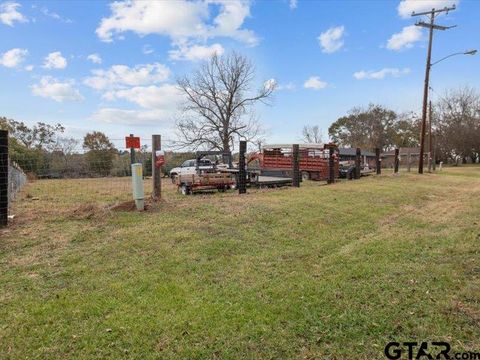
[312,134]
[219,104]
[457,118]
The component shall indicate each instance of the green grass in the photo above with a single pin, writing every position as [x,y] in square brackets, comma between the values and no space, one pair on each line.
[328,272]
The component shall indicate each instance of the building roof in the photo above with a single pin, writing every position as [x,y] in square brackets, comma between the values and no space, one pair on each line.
[404,151]
[353,152]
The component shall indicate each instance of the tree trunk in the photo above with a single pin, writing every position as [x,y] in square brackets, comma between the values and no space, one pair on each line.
[227,157]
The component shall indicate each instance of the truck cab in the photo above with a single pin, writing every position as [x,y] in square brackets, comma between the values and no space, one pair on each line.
[189,167]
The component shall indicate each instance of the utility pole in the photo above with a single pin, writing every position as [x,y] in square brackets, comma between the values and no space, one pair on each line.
[431,26]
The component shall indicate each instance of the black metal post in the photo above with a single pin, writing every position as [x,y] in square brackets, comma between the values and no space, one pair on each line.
[331,164]
[397,161]
[3,178]
[156,171]
[296,165]
[378,163]
[132,153]
[242,173]
[358,163]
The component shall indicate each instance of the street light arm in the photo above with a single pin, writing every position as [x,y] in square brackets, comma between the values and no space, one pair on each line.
[470,52]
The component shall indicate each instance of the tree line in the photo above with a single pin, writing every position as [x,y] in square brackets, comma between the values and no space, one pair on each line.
[455,127]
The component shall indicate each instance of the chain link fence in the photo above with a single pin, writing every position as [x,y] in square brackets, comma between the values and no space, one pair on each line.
[16,180]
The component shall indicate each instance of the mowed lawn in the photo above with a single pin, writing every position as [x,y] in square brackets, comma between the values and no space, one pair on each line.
[327,272]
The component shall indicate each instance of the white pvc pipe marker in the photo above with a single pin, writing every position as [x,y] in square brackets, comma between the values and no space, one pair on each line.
[137,186]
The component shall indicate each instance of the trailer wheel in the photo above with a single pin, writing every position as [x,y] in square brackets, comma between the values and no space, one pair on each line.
[305,175]
[185,189]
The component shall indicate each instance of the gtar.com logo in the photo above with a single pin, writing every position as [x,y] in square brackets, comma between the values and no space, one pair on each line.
[426,350]
[413,350]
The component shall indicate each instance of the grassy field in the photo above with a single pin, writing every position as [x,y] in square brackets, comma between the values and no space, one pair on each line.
[327,272]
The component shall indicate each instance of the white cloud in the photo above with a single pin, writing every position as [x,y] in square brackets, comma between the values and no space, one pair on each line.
[29,67]
[147,49]
[122,76]
[380,74]
[166,96]
[180,20]
[270,84]
[315,83]
[13,58]
[9,13]
[196,52]
[55,16]
[131,117]
[94,58]
[404,39]
[406,7]
[293,4]
[55,60]
[331,40]
[51,88]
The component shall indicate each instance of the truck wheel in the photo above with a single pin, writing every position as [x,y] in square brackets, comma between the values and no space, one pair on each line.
[185,189]
[305,175]
[172,176]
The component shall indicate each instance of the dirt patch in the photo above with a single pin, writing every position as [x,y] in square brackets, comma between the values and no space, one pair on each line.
[130,206]
[124,206]
[87,211]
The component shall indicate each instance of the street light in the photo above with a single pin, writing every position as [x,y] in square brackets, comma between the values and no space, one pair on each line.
[467,52]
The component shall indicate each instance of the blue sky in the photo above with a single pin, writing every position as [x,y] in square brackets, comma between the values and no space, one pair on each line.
[95,65]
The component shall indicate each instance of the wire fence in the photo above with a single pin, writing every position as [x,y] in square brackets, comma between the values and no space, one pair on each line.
[16,180]
[67,178]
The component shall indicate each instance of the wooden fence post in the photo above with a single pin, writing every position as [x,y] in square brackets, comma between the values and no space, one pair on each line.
[358,160]
[331,165]
[378,163]
[242,174]
[396,161]
[295,165]
[3,178]
[156,171]
[409,161]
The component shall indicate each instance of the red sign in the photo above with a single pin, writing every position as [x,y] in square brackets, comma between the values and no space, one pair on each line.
[132,142]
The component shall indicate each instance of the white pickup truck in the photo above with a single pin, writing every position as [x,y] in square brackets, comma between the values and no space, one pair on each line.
[189,167]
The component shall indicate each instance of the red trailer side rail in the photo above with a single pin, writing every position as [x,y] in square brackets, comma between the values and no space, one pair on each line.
[314,163]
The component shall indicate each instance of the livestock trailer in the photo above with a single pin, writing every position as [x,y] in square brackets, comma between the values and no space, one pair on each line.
[277,160]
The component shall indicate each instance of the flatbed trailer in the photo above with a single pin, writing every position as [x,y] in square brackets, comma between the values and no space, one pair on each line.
[191,183]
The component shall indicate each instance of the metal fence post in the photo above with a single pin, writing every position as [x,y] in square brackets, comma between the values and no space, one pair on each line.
[156,171]
[295,165]
[132,154]
[396,161]
[378,163]
[3,178]
[242,174]
[331,165]
[358,160]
